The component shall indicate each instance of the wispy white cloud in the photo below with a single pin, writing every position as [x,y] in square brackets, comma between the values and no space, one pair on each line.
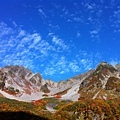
[116,21]
[114,61]
[59,42]
[94,32]
[86,63]
[62,65]
[4,29]
[56,66]
[42,13]
[78,34]
[89,7]
[53,26]
[77,19]
[95,35]
[44,55]
[74,66]
[54,55]
[21,33]
[23,46]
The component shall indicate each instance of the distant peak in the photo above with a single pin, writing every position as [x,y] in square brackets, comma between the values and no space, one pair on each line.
[105,65]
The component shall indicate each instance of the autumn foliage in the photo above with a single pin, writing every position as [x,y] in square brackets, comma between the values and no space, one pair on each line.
[66,110]
[91,109]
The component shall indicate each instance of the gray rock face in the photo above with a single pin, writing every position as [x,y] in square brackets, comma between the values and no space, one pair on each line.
[45,89]
[17,70]
[36,79]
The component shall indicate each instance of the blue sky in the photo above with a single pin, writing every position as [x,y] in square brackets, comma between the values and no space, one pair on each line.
[59,38]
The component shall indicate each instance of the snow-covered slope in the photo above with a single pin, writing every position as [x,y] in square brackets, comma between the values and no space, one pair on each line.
[20,83]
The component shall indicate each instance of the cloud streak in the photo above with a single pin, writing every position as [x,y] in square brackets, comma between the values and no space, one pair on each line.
[69,41]
[18,47]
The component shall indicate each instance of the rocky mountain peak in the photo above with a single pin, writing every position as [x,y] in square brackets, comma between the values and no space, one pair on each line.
[17,70]
[104,68]
[103,83]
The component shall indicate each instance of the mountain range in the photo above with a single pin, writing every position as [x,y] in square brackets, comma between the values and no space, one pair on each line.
[19,83]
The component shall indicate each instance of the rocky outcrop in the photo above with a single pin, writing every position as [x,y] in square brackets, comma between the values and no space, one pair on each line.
[45,89]
[103,83]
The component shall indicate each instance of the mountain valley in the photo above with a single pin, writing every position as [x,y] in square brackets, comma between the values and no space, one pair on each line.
[87,96]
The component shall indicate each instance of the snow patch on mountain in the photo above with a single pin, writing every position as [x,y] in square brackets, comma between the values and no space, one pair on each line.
[72,93]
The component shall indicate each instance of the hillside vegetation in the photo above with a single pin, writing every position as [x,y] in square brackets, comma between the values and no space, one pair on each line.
[66,110]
